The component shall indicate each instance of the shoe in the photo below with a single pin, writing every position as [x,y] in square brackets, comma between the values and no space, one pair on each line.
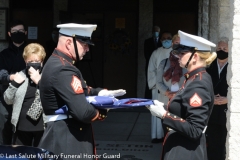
[156,140]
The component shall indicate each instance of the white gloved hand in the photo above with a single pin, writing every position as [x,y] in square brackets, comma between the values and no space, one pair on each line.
[113,93]
[157,109]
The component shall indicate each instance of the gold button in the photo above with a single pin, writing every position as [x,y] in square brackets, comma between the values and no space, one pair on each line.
[103,116]
[80,129]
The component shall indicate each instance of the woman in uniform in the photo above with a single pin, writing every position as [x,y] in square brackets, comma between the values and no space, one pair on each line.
[188,112]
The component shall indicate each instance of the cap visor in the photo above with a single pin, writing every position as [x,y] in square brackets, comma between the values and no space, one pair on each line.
[86,41]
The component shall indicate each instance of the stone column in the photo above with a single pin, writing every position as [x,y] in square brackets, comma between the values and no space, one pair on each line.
[4,4]
[232,28]
[144,32]
[203,20]
[213,21]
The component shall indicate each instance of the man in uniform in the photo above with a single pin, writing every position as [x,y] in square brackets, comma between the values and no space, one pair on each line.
[68,130]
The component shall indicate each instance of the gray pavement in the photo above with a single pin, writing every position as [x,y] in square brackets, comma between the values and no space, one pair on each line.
[126,135]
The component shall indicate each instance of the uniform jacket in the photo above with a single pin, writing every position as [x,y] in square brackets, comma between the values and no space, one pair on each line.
[187,115]
[220,87]
[62,84]
[162,84]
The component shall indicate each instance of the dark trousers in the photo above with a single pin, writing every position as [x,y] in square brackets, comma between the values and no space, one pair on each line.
[5,126]
[27,138]
[216,141]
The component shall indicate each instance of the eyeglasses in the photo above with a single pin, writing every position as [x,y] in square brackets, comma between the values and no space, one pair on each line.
[15,31]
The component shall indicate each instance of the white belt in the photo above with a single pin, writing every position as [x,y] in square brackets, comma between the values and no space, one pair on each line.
[204,130]
[51,118]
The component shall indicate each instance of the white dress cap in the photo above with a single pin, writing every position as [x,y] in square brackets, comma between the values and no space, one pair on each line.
[195,41]
[73,29]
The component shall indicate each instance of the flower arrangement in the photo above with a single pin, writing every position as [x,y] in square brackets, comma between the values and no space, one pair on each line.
[120,41]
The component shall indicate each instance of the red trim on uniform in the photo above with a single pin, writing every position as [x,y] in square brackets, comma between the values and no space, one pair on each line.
[176,119]
[97,115]
[195,100]
[65,53]
[61,59]
[200,75]
[165,138]
[76,85]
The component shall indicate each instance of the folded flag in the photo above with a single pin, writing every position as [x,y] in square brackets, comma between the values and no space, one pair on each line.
[104,102]
[113,103]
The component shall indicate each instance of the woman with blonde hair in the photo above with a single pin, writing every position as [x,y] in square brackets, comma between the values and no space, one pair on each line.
[188,111]
[23,94]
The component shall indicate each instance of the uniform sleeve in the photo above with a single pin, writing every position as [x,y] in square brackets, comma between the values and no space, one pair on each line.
[160,83]
[69,88]
[152,71]
[195,100]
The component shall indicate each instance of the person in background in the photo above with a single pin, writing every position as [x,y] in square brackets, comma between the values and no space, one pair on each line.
[150,45]
[217,131]
[189,110]
[51,44]
[11,61]
[63,92]
[23,95]
[169,76]
[157,56]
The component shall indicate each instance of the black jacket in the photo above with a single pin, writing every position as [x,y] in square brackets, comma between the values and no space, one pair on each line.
[11,61]
[220,87]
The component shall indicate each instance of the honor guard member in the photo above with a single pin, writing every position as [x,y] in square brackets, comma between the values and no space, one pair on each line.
[68,130]
[188,112]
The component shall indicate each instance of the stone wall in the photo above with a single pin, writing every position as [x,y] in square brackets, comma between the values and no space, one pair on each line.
[144,32]
[231,11]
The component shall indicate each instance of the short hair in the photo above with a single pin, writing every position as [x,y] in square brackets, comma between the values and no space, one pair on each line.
[156,28]
[166,32]
[34,48]
[15,23]
[223,39]
[175,37]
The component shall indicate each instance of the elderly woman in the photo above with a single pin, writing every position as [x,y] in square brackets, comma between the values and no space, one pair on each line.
[217,131]
[188,111]
[23,94]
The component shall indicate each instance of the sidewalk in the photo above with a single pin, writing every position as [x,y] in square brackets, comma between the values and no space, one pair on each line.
[126,134]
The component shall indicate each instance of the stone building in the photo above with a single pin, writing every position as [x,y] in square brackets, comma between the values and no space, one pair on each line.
[111,66]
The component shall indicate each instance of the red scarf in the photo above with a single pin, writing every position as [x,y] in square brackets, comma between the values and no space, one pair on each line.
[174,72]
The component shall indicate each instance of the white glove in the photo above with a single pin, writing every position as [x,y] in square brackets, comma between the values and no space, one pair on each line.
[113,93]
[157,109]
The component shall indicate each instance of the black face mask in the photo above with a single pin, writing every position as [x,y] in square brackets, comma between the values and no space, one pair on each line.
[36,66]
[222,55]
[18,37]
